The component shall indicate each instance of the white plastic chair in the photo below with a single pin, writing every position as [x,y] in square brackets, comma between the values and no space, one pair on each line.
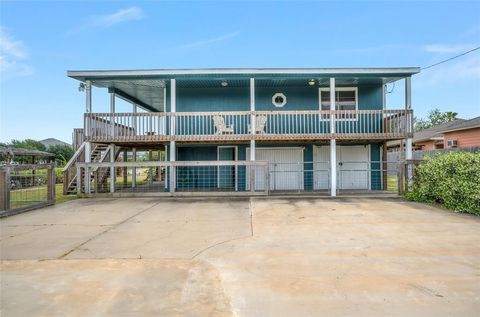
[260,123]
[220,126]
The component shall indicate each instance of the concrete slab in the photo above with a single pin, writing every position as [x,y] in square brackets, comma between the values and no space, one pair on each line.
[111,288]
[240,257]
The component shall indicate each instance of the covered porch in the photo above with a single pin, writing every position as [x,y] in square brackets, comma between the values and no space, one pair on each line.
[159,99]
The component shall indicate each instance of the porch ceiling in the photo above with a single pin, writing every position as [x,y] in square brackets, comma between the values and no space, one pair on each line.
[147,86]
[148,91]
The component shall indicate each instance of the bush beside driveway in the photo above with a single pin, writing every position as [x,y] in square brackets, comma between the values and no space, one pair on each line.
[451,179]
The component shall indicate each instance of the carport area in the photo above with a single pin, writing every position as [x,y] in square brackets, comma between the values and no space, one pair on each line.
[240,257]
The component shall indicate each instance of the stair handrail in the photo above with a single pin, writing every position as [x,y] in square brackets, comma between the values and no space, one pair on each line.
[74,157]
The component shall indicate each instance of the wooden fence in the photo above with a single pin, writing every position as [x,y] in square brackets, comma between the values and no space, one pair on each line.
[26,187]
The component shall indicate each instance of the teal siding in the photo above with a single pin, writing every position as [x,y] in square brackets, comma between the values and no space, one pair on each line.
[238,98]
[198,176]
[298,98]
[213,99]
[370,97]
[206,177]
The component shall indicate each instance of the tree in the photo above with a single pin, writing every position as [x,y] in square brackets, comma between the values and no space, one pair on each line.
[27,144]
[63,153]
[434,118]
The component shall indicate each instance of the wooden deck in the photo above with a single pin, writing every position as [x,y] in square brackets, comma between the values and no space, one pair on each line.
[235,127]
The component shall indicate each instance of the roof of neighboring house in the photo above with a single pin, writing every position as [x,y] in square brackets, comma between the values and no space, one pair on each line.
[464,125]
[23,152]
[431,133]
[436,131]
[52,141]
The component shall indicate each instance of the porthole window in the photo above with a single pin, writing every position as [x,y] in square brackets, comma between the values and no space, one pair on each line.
[279,100]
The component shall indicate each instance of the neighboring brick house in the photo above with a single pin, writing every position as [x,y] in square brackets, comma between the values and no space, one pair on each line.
[463,134]
[459,133]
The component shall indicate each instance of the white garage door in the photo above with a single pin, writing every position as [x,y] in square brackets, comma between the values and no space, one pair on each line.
[352,167]
[285,167]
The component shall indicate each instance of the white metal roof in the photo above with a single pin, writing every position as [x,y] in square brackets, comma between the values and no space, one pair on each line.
[407,71]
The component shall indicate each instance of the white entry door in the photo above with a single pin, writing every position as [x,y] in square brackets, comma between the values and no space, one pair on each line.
[285,168]
[353,164]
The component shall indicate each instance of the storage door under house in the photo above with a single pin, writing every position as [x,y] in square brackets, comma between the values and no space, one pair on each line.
[285,168]
[353,170]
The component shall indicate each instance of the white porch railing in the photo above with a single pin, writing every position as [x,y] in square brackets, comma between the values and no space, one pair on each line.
[270,125]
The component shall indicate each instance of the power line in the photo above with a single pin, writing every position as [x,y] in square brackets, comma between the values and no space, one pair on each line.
[449,59]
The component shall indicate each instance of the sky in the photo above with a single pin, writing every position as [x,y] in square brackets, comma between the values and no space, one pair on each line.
[41,40]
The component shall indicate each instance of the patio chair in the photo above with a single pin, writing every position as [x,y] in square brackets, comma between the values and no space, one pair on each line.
[220,126]
[260,123]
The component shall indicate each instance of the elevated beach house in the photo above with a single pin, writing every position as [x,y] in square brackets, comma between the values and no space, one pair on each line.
[239,130]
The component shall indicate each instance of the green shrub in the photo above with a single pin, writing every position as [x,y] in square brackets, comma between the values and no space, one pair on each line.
[451,179]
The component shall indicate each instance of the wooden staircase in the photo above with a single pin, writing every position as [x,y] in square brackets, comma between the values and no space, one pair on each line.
[99,153]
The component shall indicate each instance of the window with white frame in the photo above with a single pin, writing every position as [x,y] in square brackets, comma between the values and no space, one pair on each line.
[345,99]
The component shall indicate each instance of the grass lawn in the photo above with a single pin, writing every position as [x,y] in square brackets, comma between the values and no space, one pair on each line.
[26,196]
[392,182]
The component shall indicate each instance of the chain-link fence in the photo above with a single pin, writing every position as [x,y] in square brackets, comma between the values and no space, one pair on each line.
[316,176]
[239,177]
[26,187]
[174,178]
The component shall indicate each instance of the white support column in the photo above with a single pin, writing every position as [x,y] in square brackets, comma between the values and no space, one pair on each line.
[173,151]
[134,169]
[173,104]
[408,143]
[113,175]
[88,159]
[112,111]
[333,167]
[252,118]
[88,107]
[252,131]
[333,142]
[332,105]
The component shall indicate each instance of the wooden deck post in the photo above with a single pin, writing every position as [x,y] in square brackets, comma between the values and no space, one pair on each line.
[88,159]
[5,188]
[51,183]
[112,168]
[112,114]
[79,180]
[125,170]
[150,169]
[134,169]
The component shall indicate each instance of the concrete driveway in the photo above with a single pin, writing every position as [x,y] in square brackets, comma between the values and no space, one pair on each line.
[240,257]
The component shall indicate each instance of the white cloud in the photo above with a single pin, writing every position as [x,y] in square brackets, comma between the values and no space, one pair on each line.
[465,68]
[123,15]
[207,42]
[444,48]
[12,56]
[109,20]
